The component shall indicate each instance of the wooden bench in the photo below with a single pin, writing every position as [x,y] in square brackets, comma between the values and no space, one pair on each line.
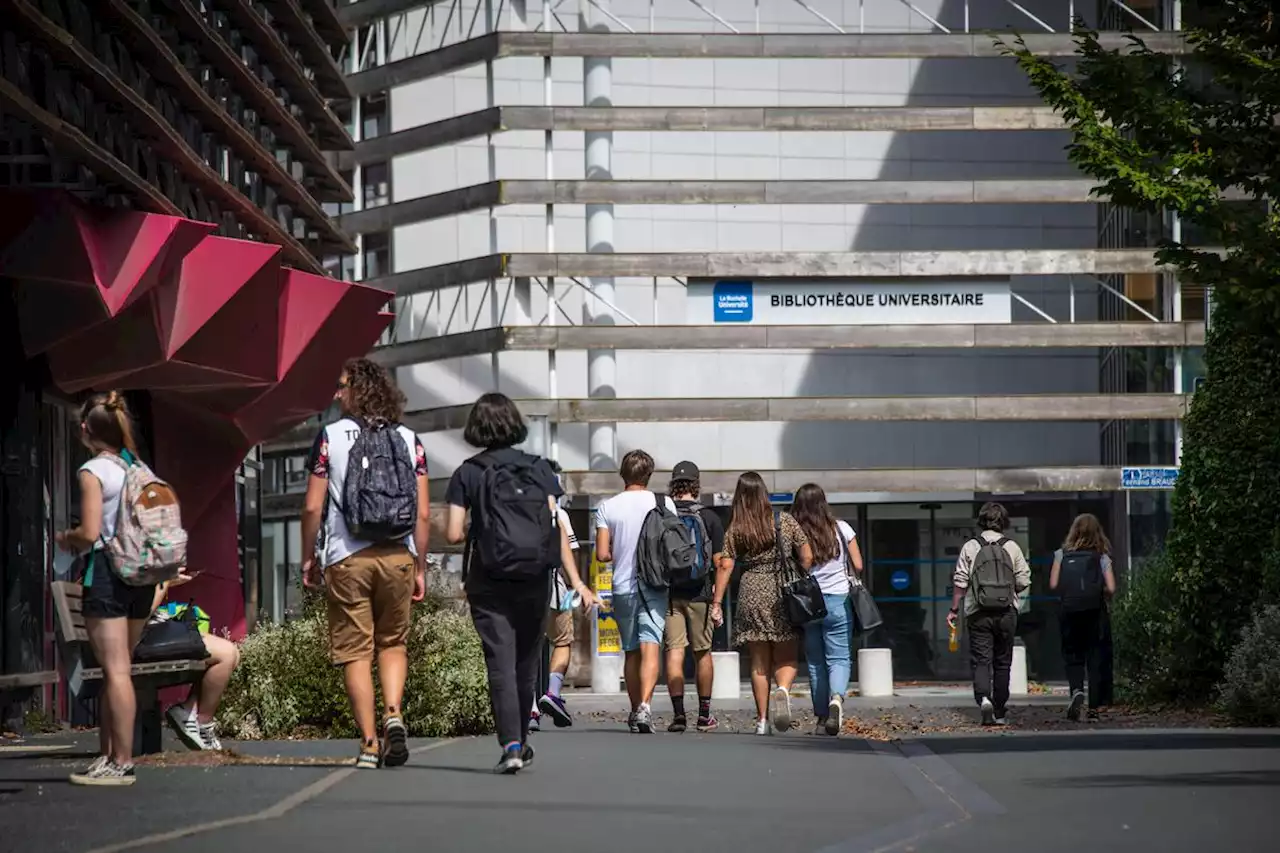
[84,677]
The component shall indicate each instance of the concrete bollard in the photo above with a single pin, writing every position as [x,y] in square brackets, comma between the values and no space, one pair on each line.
[728,676]
[875,672]
[1018,674]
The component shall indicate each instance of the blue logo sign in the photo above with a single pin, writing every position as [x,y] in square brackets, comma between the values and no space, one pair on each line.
[733,302]
[1148,477]
[782,497]
[900,580]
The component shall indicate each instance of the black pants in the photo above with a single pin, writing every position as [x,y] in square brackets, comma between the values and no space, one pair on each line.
[511,625]
[991,655]
[1081,652]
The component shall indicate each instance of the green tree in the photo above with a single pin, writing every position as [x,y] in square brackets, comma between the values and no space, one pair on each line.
[1199,135]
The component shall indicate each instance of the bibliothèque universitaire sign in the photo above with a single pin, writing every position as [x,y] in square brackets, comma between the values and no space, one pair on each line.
[798,302]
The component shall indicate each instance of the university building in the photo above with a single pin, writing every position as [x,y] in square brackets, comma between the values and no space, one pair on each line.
[835,241]
[165,167]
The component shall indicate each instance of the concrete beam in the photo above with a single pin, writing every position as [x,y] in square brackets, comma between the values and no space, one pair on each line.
[363,12]
[497,119]
[987,263]
[732,336]
[495,193]
[1026,407]
[493,46]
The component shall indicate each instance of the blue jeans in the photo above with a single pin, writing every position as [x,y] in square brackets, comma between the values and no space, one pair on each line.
[642,617]
[827,646]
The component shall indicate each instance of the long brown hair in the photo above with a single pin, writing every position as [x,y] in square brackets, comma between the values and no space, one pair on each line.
[751,525]
[812,512]
[369,392]
[1086,534]
[107,423]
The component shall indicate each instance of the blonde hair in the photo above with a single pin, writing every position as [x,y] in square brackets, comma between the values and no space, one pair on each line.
[1086,534]
[107,422]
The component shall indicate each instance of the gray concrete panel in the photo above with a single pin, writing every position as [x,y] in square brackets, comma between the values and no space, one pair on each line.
[1003,336]
[442,275]
[423,137]
[364,12]
[424,66]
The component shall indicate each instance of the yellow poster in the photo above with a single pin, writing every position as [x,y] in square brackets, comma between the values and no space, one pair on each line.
[608,640]
[601,575]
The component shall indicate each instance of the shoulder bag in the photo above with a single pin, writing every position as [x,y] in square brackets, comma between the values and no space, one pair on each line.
[801,595]
[864,606]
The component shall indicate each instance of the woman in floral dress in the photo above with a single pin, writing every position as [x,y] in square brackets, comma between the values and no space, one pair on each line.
[761,621]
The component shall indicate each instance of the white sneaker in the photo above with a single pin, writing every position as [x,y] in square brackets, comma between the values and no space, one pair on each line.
[988,712]
[835,716]
[644,719]
[762,728]
[186,726]
[104,774]
[209,734]
[781,710]
[820,726]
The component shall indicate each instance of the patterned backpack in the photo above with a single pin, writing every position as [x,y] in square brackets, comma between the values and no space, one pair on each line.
[149,545]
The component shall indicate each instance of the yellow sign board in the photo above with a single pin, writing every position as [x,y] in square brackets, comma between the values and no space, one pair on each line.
[601,575]
[608,640]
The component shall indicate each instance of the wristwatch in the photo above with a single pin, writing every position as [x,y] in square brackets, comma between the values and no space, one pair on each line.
[955,610]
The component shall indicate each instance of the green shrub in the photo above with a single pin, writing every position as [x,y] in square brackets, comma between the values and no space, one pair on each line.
[286,687]
[1251,681]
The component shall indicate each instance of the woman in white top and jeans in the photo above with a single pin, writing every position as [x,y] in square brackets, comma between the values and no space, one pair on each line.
[828,643]
[114,612]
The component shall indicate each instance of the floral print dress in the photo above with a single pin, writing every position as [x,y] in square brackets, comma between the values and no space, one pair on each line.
[761,617]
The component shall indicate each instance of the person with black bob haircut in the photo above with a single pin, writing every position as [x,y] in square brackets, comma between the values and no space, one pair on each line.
[514,543]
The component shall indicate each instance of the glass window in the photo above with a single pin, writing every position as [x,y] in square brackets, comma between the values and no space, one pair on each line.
[375,120]
[377,255]
[341,267]
[339,208]
[375,181]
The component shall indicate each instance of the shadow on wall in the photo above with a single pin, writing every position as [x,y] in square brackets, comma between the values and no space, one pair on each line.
[959,156]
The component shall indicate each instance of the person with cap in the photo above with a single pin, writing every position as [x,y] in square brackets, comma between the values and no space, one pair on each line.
[688,605]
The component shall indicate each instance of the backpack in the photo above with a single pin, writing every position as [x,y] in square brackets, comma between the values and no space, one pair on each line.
[697,573]
[992,580]
[150,544]
[514,533]
[666,549]
[380,491]
[1080,581]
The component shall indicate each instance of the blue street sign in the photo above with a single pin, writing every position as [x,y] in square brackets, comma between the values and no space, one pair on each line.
[782,497]
[733,302]
[1149,477]
[900,580]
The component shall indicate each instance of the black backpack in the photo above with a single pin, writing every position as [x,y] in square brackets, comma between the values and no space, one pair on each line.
[513,533]
[1080,581]
[380,492]
[666,549]
[992,578]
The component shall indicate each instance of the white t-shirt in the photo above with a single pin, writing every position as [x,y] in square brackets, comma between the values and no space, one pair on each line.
[329,459]
[111,476]
[623,515]
[561,587]
[833,575]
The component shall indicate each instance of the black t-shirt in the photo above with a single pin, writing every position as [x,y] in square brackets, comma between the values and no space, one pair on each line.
[464,486]
[715,529]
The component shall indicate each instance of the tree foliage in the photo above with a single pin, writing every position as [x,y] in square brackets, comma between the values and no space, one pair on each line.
[1199,135]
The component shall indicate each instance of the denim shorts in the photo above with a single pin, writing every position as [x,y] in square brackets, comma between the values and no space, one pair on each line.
[641,616]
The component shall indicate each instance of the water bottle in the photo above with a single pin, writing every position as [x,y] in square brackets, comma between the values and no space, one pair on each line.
[954,643]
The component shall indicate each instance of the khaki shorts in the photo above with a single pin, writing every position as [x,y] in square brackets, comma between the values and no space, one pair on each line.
[369,594]
[559,627]
[688,624]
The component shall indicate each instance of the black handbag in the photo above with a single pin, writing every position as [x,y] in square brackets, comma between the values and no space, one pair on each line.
[178,638]
[802,596]
[864,606]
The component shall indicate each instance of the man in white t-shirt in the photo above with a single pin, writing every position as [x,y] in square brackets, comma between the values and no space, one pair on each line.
[641,611]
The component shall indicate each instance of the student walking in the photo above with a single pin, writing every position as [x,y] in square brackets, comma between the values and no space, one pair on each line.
[991,575]
[828,642]
[513,545]
[559,630]
[768,546]
[688,623]
[640,609]
[367,495]
[1084,578]
[117,598]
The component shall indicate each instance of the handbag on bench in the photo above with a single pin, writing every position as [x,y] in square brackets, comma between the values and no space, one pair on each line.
[176,638]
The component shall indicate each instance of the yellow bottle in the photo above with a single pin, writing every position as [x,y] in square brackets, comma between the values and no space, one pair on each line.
[954,643]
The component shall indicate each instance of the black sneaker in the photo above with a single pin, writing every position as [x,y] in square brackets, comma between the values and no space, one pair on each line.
[526,755]
[678,724]
[1076,706]
[707,723]
[395,742]
[512,761]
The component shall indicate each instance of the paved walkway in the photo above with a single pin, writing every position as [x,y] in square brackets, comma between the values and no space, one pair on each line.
[597,788]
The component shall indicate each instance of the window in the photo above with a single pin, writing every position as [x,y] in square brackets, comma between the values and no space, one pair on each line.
[374,117]
[377,255]
[341,267]
[339,208]
[375,182]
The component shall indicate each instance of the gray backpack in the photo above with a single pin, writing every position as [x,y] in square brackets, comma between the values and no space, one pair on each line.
[992,578]
[666,547]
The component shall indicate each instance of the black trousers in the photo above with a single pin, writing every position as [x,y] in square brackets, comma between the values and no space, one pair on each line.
[512,626]
[1081,652]
[991,655]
